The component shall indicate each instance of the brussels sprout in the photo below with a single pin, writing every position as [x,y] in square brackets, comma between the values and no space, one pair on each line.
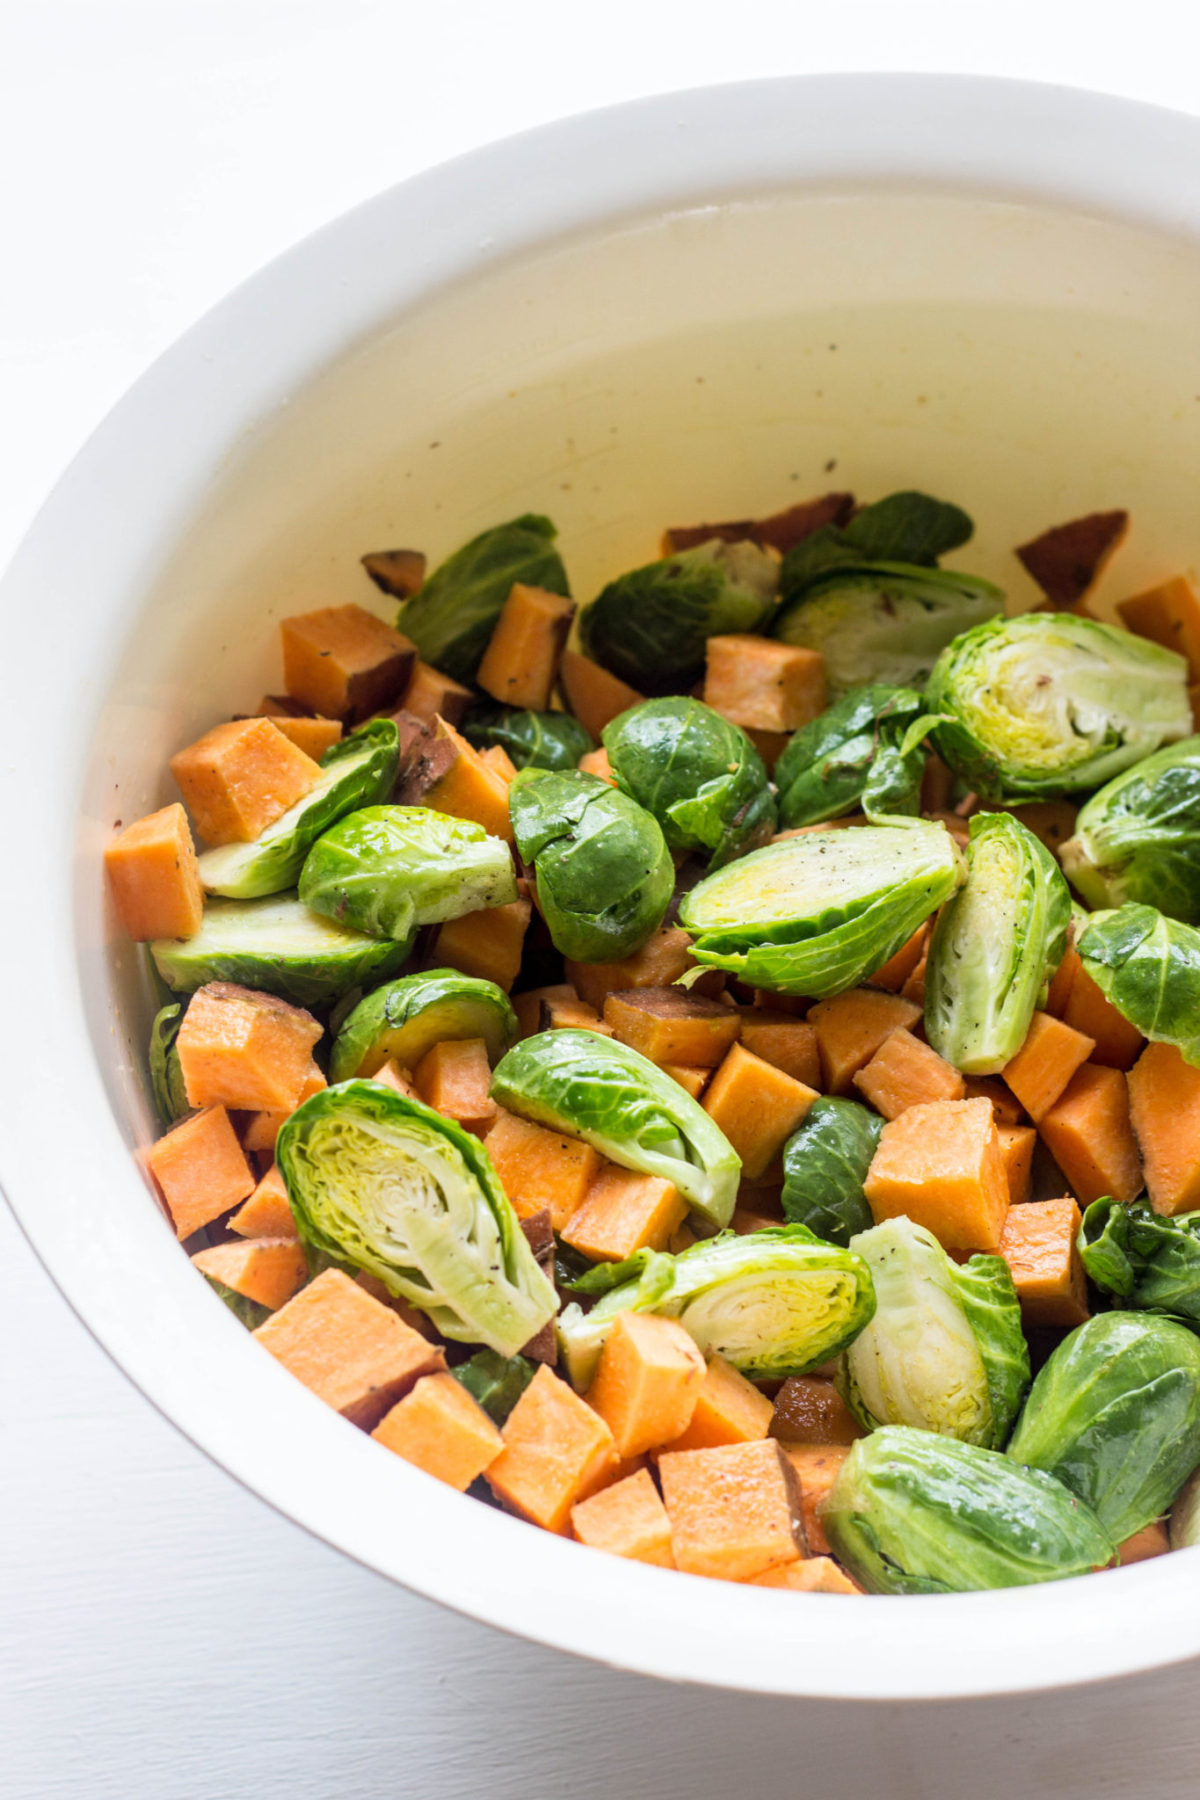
[279,946]
[773,1303]
[452,617]
[387,869]
[1150,1263]
[594,1088]
[825,1164]
[1149,968]
[699,776]
[945,1351]
[815,915]
[1138,839]
[166,1076]
[1048,703]
[651,626]
[383,1183]
[533,740]
[359,771]
[864,752]
[912,1513]
[402,1020]
[883,621]
[995,946]
[901,528]
[497,1382]
[604,873]
[1114,1414]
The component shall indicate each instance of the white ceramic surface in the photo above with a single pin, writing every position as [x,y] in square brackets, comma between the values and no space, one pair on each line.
[688,306]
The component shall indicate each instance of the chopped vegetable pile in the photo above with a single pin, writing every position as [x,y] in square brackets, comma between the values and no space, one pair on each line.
[649,1064]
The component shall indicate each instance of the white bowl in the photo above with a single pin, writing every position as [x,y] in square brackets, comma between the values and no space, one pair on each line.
[703,305]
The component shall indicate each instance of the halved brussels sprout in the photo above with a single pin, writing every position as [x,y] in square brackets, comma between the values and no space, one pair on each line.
[699,776]
[1114,1414]
[387,869]
[816,914]
[280,946]
[604,873]
[863,753]
[594,1088]
[533,740]
[1152,1264]
[452,617]
[166,1075]
[650,626]
[383,1183]
[359,771]
[1048,703]
[995,946]
[825,1164]
[945,1351]
[773,1303]
[912,1513]
[497,1382]
[907,527]
[882,621]
[1149,968]
[1138,839]
[400,1021]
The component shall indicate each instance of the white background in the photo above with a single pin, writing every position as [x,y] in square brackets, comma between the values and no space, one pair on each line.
[163,1636]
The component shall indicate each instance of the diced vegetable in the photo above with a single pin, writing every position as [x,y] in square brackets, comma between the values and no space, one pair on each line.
[809,1410]
[698,774]
[1164,1107]
[763,686]
[535,740]
[260,1129]
[662,959]
[431,694]
[266,1270]
[1148,966]
[622,1213]
[811,1575]
[626,1519]
[556,1452]
[941,1166]
[734,1510]
[825,1164]
[905,1072]
[728,1410]
[594,694]
[244,1049]
[152,872]
[268,1211]
[200,1169]
[453,616]
[756,1106]
[1089,1135]
[239,778]
[387,869]
[443,772]
[1118,1044]
[1042,1068]
[453,1078]
[280,946]
[785,1042]
[1017,1143]
[537,1167]
[1168,615]
[852,1028]
[403,1020]
[316,737]
[520,665]
[1038,1244]
[669,1026]
[780,530]
[1068,560]
[438,1427]
[344,662]
[817,1467]
[487,944]
[646,1382]
[398,572]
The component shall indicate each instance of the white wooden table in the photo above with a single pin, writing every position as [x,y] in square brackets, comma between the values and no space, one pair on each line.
[163,1636]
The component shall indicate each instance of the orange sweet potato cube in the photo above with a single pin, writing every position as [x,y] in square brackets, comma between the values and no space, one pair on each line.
[734,1510]
[520,665]
[153,876]
[757,1107]
[453,1077]
[344,662]
[905,1072]
[811,1575]
[240,777]
[399,1080]
[1164,1105]
[559,1013]
[624,1211]
[728,1410]
[261,1129]
[941,1165]
[1116,1042]
[540,1168]
[449,776]
[816,1467]
[1059,991]
[267,1270]
[201,1170]
[626,1518]
[430,693]
[893,974]
[528,1005]
[851,1027]
[496,757]
[1038,1244]
[487,944]
[1151,1540]
[593,695]
[647,1382]
[693,1080]
[1045,1063]
[1004,1103]
[595,762]
[763,685]
[397,572]
[1017,1144]
[268,1211]
[1169,615]
[784,1041]
[809,1410]
[241,1048]
[668,1025]
[662,959]
[438,1427]
[556,1452]
[1088,1133]
[351,1350]
[313,736]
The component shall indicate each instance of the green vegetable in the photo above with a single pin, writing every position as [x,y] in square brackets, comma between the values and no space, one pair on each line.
[945,1351]
[901,528]
[604,873]
[250,1312]
[359,771]
[699,776]
[864,752]
[815,915]
[166,1076]
[825,1164]
[912,1513]
[1048,703]
[533,740]
[773,1303]
[278,945]
[383,1183]
[1152,1264]
[1149,967]
[651,626]
[594,1088]
[1138,839]
[1184,1522]
[497,1382]
[387,869]
[882,621]
[1115,1415]
[402,1020]
[455,613]
[995,946]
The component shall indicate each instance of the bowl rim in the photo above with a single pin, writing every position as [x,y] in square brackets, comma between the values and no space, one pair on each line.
[1051,146]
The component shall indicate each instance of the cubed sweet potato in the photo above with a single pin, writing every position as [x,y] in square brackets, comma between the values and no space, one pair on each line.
[313,736]
[593,695]
[556,1453]
[153,876]
[520,665]
[809,1410]
[266,1270]
[528,1005]
[540,1168]
[487,943]
[1038,1244]
[1068,560]
[445,773]
[728,1410]
[647,1382]
[400,573]
[783,1040]
[1088,1133]
[781,530]
[1004,1103]
[1017,1143]
[811,1575]
[438,1427]
[763,685]
[200,1169]
[453,1077]
[1169,615]
[1116,1042]
[240,777]
[344,661]
[757,1106]
[893,974]
[626,1518]
[734,1510]
[906,1072]
[261,1129]
[399,1080]
[241,1048]
[571,1014]
[430,693]
[1045,1063]
[662,959]
[1151,1540]
[268,1211]
[851,1027]
[595,762]
[941,1166]
[671,1026]
[496,758]
[817,1467]
[1059,991]
[622,1212]
[1164,1105]
[693,1080]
